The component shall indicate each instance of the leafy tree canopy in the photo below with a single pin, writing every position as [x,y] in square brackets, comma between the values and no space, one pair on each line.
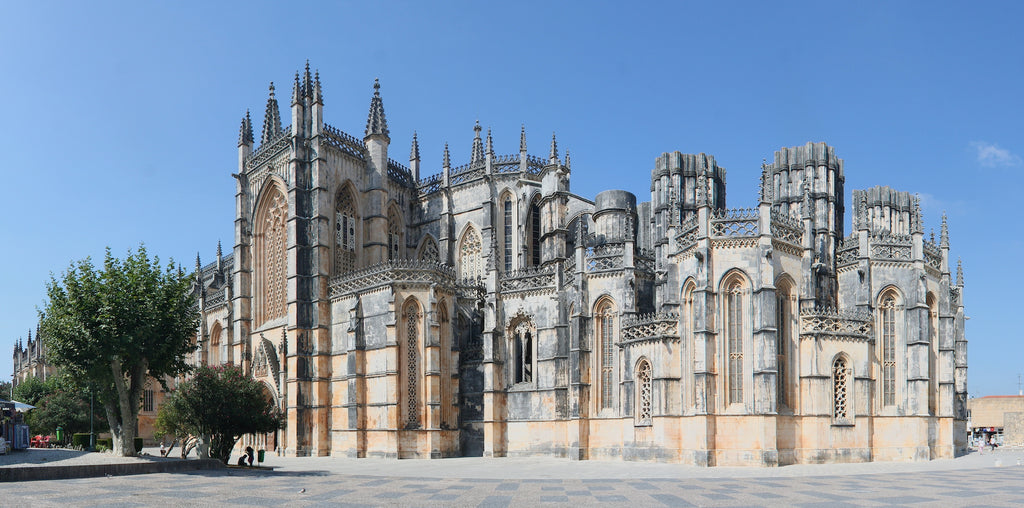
[219,405]
[110,328]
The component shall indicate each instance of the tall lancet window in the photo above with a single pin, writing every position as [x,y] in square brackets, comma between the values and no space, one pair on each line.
[522,350]
[394,235]
[271,291]
[734,340]
[605,320]
[784,338]
[507,217]
[411,358]
[345,222]
[933,354]
[534,233]
[888,318]
[471,264]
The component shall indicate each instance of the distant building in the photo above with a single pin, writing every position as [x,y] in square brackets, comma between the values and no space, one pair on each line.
[999,416]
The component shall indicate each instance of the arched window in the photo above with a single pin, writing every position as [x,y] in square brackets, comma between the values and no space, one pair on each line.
[841,409]
[448,399]
[345,221]
[784,338]
[605,320]
[411,322]
[394,234]
[534,232]
[428,250]
[522,351]
[734,313]
[888,319]
[213,354]
[644,392]
[471,264]
[508,226]
[271,280]
[689,328]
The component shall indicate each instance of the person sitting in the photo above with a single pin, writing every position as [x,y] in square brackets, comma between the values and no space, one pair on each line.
[249,454]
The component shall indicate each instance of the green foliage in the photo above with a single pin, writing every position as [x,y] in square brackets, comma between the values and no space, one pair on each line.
[105,443]
[80,440]
[138,445]
[219,405]
[5,390]
[58,404]
[110,328]
[33,390]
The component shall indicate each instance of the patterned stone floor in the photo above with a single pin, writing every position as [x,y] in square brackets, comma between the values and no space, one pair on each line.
[292,486]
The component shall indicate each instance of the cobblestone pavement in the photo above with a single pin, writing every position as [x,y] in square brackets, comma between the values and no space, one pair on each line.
[990,480]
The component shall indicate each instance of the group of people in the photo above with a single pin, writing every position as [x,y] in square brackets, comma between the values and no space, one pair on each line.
[249,455]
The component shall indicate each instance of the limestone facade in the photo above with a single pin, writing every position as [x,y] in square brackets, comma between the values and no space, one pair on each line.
[486,309]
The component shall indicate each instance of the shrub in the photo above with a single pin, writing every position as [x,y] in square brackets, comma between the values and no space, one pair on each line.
[138,445]
[107,443]
[80,439]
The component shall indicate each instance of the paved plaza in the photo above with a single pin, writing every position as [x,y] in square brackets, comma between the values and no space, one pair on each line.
[992,479]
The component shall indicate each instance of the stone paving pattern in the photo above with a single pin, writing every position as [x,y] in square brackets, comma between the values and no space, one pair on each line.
[969,481]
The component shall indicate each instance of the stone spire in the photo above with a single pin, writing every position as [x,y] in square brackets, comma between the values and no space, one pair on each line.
[916,224]
[944,233]
[220,259]
[490,143]
[318,96]
[446,162]
[271,118]
[245,131]
[307,82]
[478,145]
[959,273]
[568,165]
[376,123]
[414,154]
[522,139]
[553,156]
[297,91]
[766,186]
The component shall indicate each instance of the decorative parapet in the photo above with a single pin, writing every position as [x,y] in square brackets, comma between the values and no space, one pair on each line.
[737,222]
[687,233]
[644,260]
[849,250]
[218,299]
[886,245]
[430,185]
[605,257]
[388,272]
[787,228]
[829,322]
[400,174]
[569,270]
[663,325]
[932,255]
[529,279]
[267,151]
[346,143]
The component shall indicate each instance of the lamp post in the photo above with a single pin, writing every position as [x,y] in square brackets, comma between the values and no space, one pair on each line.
[92,414]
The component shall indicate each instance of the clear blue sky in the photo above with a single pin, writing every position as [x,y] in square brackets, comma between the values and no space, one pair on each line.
[120,121]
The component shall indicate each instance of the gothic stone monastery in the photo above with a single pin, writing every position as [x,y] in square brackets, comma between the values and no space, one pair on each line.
[488,310]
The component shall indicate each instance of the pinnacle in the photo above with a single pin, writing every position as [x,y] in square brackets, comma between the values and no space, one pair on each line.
[478,147]
[446,161]
[522,138]
[318,96]
[554,149]
[271,118]
[376,122]
[296,90]
[307,82]
[490,143]
[414,154]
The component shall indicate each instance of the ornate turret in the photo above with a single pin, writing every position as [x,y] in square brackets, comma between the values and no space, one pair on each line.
[959,273]
[220,259]
[271,118]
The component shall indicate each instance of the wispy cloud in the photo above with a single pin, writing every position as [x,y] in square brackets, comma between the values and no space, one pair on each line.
[992,155]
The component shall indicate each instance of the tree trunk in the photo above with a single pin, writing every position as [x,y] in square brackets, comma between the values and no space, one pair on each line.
[128,398]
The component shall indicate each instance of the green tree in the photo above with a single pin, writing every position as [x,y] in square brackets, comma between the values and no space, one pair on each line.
[218,406]
[112,327]
[5,390]
[58,404]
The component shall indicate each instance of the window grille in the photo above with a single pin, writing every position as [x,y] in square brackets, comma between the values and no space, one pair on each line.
[508,235]
[644,390]
[345,234]
[147,400]
[782,344]
[394,235]
[523,354]
[471,266]
[429,251]
[271,254]
[734,330]
[534,234]
[412,407]
[841,389]
[606,322]
[889,351]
